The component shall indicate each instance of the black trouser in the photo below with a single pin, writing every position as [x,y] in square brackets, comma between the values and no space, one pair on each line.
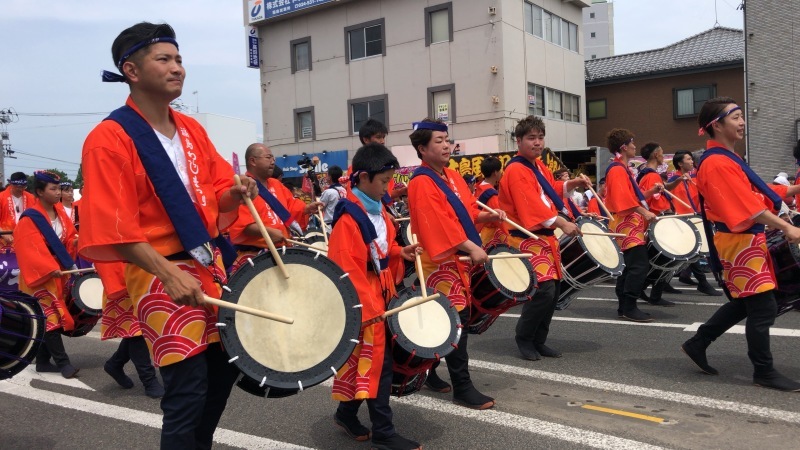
[760,311]
[53,347]
[698,273]
[534,321]
[380,413]
[632,281]
[196,392]
[134,349]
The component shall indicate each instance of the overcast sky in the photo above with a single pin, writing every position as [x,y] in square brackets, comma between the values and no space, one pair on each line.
[54,51]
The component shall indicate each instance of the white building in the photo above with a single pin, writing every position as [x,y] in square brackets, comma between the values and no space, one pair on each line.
[228,134]
[598,30]
[326,67]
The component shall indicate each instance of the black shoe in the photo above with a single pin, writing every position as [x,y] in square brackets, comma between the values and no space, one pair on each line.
[47,367]
[436,384]
[619,314]
[636,315]
[527,350]
[152,388]
[68,371]
[661,302]
[777,381]
[395,442]
[670,290]
[548,352]
[118,375]
[352,427]
[695,349]
[687,280]
[709,290]
[472,398]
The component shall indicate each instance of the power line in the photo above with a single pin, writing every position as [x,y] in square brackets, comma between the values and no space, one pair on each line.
[62,114]
[46,157]
[54,126]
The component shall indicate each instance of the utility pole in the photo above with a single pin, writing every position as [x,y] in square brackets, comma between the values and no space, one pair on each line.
[6,116]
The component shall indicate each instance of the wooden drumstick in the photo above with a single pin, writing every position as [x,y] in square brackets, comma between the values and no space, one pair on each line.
[74,271]
[673,216]
[410,304]
[599,200]
[262,229]
[322,224]
[509,221]
[303,244]
[418,265]
[248,310]
[402,219]
[600,233]
[675,197]
[507,256]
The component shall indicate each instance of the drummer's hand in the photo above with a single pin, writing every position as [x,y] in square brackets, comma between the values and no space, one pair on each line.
[478,256]
[648,216]
[409,252]
[248,188]
[499,215]
[313,207]
[570,229]
[182,288]
[792,234]
[56,274]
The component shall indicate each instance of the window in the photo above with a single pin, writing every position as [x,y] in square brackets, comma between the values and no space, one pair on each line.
[442,102]
[304,124]
[535,100]
[365,40]
[362,109]
[594,56]
[439,23]
[554,104]
[591,15]
[593,35]
[596,109]
[543,24]
[689,101]
[301,54]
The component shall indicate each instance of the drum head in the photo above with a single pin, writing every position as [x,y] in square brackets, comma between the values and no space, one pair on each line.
[603,249]
[515,275]
[429,330]
[317,240]
[698,223]
[327,320]
[87,293]
[675,236]
[406,228]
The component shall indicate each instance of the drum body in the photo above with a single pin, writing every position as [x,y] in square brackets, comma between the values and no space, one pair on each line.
[22,328]
[278,359]
[497,286]
[672,243]
[84,300]
[9,270]
[786,262]
[420,336]
[403,238]
[703,252]
[587,260]
[317,240]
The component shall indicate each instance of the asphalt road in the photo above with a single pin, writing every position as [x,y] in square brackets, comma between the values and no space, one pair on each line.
[619,385]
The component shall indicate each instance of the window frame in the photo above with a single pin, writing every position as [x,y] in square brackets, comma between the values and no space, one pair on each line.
[442,88]
[354,101]
[429,27]
[364,25]
[541,101]
[557,25]
[293,48]
[605,109]
[297,133]
[675,112]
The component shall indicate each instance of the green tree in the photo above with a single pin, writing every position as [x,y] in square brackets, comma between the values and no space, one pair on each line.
[78,184]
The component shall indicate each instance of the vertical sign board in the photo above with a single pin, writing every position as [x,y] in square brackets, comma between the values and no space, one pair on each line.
[253,53]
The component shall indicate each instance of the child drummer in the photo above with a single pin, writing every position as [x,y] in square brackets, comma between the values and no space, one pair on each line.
[362,243]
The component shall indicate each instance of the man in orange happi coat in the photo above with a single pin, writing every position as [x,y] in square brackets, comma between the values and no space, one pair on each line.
[740,205]
[13,201]
[157,196]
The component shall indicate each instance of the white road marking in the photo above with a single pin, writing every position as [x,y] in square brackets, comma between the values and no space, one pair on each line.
[736,329]
[526,424]
[682,288]
[29,373]
[676,397]
[222,436]
[592,299]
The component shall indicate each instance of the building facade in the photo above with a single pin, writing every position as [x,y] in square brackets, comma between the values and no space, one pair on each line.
[773,85]
[658,93]
[479,65]
[598,30]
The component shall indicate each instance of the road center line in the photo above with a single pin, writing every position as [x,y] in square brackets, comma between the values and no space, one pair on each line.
[620,412]
[676,397]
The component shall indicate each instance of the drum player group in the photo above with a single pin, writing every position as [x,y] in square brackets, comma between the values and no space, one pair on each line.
[168,229]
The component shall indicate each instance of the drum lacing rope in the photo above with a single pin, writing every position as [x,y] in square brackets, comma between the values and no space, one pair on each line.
[233,359]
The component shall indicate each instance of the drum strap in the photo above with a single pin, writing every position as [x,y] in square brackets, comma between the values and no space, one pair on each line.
[647,170]
[546,186]
[53,242]
[635,186]
[367,229]
[274,203]
[176,201]
[458,206]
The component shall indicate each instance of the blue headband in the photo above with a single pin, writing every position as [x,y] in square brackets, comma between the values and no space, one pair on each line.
[724,114]
[47,177]
[434,126]
[18,182]
[112,77]
[66,184]
[355,174]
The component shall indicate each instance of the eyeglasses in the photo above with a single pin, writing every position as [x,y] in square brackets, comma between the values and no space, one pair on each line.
[265,156]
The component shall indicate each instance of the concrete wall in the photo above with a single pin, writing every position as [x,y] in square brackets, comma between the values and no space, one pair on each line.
[773,67]
[409,68]
[602,25]
[646,108]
